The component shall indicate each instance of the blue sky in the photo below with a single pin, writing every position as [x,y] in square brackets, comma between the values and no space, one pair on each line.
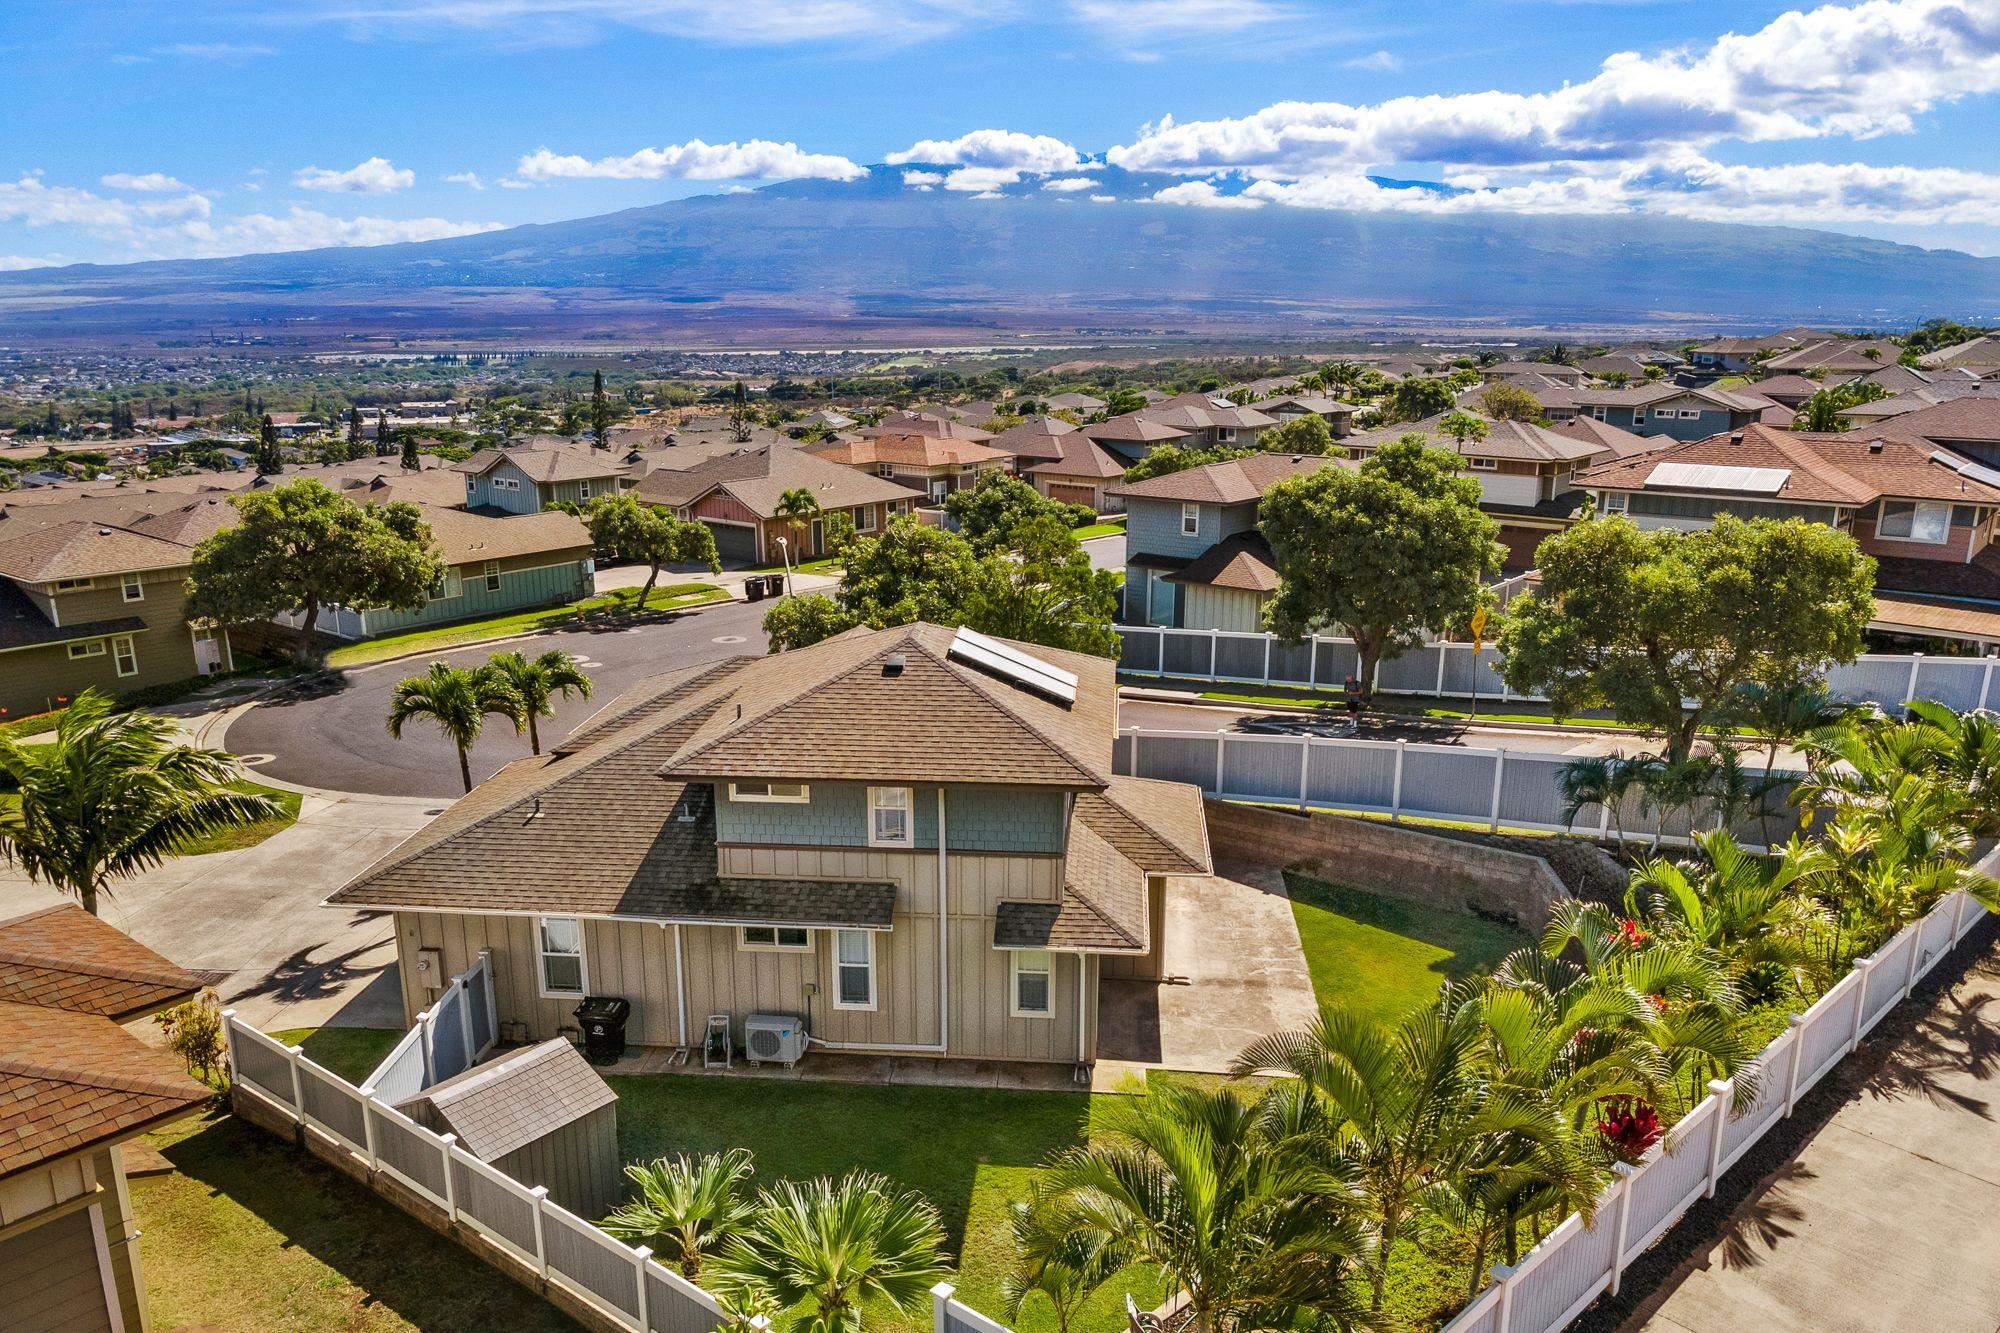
[147,130]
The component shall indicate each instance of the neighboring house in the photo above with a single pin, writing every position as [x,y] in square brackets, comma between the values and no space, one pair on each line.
[1741,356]
[1928,515]
[1620,443]
[1083,474]
[937,422]
[1980,356]
[1863,415]
[75,1086]
[1034,440]
[1835,356]
[494,563]
[87,604]
[1969,425]
[1672,410]
[1193,556]
[1550,370]
[1557,398]
[931,465]
[1526,475]
[1792,390]
[1190,421]
[775,835]
[1073,402]
[1615,363]
[737,495]
[1339,416]
[527,479]
[827,418]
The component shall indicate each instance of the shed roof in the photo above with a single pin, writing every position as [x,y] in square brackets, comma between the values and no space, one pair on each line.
[510,1102]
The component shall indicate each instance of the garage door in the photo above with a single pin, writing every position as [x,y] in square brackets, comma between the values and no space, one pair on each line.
[736,545]
[49,1281]
[1073,495]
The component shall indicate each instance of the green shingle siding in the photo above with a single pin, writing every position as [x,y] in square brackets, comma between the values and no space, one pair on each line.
[519,588]
[988,819]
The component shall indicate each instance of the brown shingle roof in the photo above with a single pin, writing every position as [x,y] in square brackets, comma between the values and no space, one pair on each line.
[1621,442]
[1079,456]
[1241,561]
[1518,440]
[1233,482]
[1102,910]
[1825,468]
[1037,437]
[514,1100]
[62,957]
[1158,826]
[909,449]
[549,464]
[936,422]
[463,537]
[81,550]
[759,477]
[22,624]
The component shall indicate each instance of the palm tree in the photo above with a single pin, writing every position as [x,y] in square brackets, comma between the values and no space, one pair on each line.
[1751,911]
[113,794]
[1065,1272]
[687,1207]
[832,1246]
[1252,1222]
[458,700]
[1391,1100]
[1603,780]
[538,684]
[798,507]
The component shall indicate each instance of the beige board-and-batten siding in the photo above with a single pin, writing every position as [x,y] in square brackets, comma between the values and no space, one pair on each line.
[635,959]
[1236,610]
[52,1220]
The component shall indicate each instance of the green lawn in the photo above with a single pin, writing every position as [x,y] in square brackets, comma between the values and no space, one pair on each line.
[1112,529]
[1384,956]
[618,602]
[249,835]
[824,565]
[351,1053]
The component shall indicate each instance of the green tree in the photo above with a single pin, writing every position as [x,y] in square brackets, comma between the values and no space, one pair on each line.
[989,512]
[411,462]
[798,507]
[801,621]
[1744,908]
[354,446]
[1168,458]
[651,535]
[739,412]
[1603,780]
[1640,621]
[1120,402]
[1386,551]
[1043,589]
[113,794]
[303,546]
[269,460]
[1308,434]
[827,1248]
[1065,1272]
[1509,402]
[457,700]
[537,684]
[686,1207]
[601,413]
[1458,427]
[1259,1232]
[1417,397]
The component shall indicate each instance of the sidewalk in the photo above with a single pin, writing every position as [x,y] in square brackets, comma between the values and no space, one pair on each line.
[1886,1218]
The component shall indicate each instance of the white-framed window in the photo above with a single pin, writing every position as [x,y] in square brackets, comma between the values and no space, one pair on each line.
[87,648]
[1225,434]
[1483,464]
[1028,988]
[864,518]
[71,585]
[1599,413]
[451,585]
[583,490]
[1915,521]
[133,588]
[1190,520]
[125,655]
[885,470]
[492,573]
[1615,502]
[1664,413]
[506,483]
[781,939]
[791,793]
[854,969]
[559,940]
[471,485]
[1690,414]
[889,817]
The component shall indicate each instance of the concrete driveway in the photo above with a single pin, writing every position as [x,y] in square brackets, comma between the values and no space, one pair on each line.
[251,922]
[332,732]
[1236,972]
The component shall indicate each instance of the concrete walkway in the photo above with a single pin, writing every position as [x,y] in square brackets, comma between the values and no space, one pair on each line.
[1888,1218]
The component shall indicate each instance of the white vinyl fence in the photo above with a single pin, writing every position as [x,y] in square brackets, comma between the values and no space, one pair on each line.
[1499,788]
[1577,1262]
[1441,669]
[450,1037]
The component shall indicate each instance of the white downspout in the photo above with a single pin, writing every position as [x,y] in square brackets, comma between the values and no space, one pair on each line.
[944,930]
[681,983]
[1082,1008]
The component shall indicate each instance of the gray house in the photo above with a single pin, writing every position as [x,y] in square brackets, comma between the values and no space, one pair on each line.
[906,841]
[1672,410]
[528,479]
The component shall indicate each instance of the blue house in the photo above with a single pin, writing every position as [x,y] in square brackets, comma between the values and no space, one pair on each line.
[1672,410]
[529,478]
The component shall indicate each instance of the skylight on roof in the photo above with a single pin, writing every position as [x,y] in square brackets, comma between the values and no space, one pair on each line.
[1716,477]
[1014,666]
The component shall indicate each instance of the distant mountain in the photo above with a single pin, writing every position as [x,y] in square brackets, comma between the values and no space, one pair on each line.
[875,257]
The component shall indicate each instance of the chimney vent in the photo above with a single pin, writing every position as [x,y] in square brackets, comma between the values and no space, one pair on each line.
[1736,437]
[893,664]
[1874,446]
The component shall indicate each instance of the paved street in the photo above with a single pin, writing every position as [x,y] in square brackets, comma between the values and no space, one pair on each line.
[334,735]
[1160,716]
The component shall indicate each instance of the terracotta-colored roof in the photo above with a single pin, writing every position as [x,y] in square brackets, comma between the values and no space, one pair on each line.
[81,550]
[1855,468]
[759,478]
[1079,456]
[1621,442]
[1241,561]
[72,1081]
[1233,482]
[62,957]
[909,450]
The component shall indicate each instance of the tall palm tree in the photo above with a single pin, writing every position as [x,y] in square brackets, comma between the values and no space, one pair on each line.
[832,1246]
[1603,780]
[113,794]
[458,701]
[1391,1099]
[1065,1272]
[687,1207]
[1255,1229]
[798,507]
[537,684]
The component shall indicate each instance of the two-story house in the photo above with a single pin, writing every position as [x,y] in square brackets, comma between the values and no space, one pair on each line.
[86,604]
[1834,356]
[738,496]
[526,478]
[1672,410]
[909,839]
[1927,515]
[1737,356]
[1187,421]
[931,465]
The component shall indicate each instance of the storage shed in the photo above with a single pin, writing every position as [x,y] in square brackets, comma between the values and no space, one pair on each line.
[542,1115]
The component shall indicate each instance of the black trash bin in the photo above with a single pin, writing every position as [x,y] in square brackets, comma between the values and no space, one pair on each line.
[753,588]
[602,1019]
[774,585]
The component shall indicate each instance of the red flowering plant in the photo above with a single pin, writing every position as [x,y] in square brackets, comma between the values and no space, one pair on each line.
[1629,1126]
[1632,933]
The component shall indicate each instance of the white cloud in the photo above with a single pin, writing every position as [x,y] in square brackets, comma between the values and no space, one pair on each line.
[227,51]
[1037,154]
[1202,194]
[923,180]
[152,182]
[757,159]
[470,179]
[989,194]
[1860,71]
[378,175]
[981,180]
[1386,61]
[11,263]
[727,22]
[1070,184]
[1177,18]
[1104,199]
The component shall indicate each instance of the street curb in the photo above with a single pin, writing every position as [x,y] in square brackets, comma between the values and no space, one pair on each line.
[680,611]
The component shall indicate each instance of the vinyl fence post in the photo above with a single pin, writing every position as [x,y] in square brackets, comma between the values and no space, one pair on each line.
[368,1128]
[1986,680]
[1916,665]
[229,1041]
[1305,769]
[940,1301]
[1724,1092]
[1863,966]
[1499,768]
[292,1054]
[1312,662]
[1623,1173]
[1215,637]
[1267,660]
[424,1045]
[1220,742]
[1444,651]
[640,1254]
[465,1003]
[450,1179]
[1916,953]
[492,1003]
[1503,1277]
[536,1197]
[1798,1027]
[1396,787]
